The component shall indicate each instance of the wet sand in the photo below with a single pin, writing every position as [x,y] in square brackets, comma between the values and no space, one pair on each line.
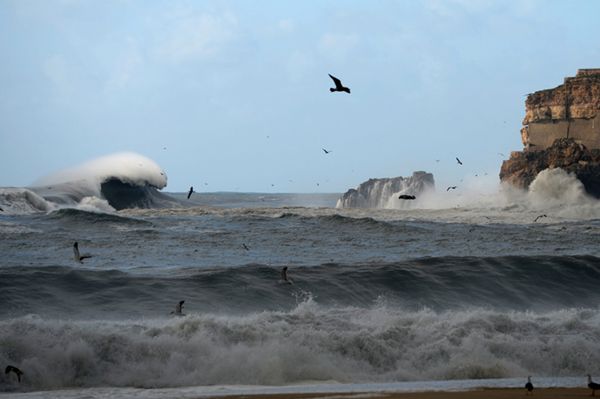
[492,393]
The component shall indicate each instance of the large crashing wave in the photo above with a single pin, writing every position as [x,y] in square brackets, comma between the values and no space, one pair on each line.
[117,181]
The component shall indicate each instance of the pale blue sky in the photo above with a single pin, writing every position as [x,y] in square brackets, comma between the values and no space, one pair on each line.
[238,92]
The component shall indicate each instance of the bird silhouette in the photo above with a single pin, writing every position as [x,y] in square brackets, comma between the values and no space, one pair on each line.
[326,151]
[338,85]
[284,276]
[15,370]
[540,216]
[458,160]
[529,386]
[451,188]
[76,255]
[178,309]
[407,197]
[592,385]
[190,192]
[245,247]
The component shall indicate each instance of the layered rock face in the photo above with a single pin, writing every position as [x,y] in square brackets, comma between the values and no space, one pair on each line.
[561,128]
[375,193]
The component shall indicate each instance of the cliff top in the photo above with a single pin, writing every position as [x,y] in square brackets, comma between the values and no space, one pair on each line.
[577,98]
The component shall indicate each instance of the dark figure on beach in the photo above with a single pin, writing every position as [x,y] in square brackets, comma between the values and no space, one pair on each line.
[338,85]
[178,309]
[15,370]
[78,258]
[407,197]
[451,188]
[190,192]
[592,385]
[284,276]
[541,216]
[458,160]
[529,386]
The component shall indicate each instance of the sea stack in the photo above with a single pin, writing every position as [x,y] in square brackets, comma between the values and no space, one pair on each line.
[376,193]
[561,129]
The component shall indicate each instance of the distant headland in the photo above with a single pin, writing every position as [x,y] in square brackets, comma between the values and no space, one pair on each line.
[561,129]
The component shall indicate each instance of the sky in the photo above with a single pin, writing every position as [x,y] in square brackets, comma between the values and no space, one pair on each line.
[234,95]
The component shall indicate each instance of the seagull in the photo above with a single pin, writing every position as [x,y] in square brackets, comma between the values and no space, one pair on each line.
[501,154]
[245,247]
[190,192]
[407,197]
[326,151]
[529,386]
[15,370]
[284,276]
[78,258]
[178,309]
[540,216]
[458,160]
[592,385]
[338,85]
[451,188]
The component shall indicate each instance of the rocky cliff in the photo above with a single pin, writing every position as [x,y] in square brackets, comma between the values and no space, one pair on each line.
[561,129]
[523,166]
[376,193]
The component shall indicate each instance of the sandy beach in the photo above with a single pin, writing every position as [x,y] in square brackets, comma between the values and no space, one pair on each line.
[554,393]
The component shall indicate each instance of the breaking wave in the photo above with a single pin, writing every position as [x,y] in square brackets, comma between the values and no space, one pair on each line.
[113,182]
[309,343]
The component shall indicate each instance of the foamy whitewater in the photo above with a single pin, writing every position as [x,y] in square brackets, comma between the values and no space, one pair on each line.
[454,290]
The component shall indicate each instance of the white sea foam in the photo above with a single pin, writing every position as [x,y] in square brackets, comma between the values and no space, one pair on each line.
[128,167]
[22,200]
[306,345]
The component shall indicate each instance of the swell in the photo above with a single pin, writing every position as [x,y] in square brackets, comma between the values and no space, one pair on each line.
[443,283]
[81,216]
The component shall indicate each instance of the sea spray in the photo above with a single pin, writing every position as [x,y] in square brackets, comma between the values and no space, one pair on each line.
[308,343]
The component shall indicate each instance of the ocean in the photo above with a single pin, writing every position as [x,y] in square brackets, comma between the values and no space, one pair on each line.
[453,290]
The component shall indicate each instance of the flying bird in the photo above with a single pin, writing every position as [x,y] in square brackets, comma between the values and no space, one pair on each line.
[245,247]
[178,309]
[326,151]
[190,192]
[529,386]
[458,160]
[338,85]
[76,255]
[407,197]
[539,217]
[451,188]
[592,385]
[15,370]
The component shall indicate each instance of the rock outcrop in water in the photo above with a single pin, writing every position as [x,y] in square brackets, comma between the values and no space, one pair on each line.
[561,129]
[375,193]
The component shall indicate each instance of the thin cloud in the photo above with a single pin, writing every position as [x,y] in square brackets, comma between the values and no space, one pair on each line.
[197,36]
[338,44]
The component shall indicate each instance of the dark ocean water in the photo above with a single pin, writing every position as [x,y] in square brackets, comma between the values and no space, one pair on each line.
[378,296]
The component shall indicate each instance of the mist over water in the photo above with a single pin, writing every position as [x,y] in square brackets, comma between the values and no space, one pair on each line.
[461,284]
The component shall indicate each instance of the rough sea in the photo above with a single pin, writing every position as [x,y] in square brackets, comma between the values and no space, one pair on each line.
[454,290]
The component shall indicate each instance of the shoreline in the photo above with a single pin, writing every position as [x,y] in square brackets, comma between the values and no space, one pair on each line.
[481,393]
